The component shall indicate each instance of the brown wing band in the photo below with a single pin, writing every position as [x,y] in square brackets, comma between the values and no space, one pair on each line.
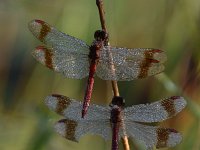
[163,136]
[48,56]
[44,30]
[169,106]
[62,104]
[146,63]
[70,129]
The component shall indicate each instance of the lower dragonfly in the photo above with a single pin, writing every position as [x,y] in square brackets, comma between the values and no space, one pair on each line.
[116,121]
[75,59]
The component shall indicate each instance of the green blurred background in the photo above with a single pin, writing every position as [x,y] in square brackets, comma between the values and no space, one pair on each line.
[171,25]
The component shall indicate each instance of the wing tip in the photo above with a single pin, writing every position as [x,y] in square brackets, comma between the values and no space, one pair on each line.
[60,127]
[167,137]
[39,29]
[173,105]
[161,56]
[32,24]
[51,102]
[174,138]
[39,55]
[45,56]
[35,21]
[67,129]
[180,102]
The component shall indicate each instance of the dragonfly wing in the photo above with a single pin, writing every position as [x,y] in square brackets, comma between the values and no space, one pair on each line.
[57,40]
[71,109]
[128,64]
[74,130]
[71,65]
[153,135]
[156,111]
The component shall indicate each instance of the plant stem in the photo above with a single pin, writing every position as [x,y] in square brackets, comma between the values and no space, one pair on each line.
[99,4]
[115,89]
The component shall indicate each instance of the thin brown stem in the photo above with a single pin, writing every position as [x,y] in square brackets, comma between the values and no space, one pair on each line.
[115,89]
[99,4]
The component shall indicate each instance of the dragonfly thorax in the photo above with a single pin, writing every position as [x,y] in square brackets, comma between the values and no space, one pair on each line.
[117,106]
[94,50]
[116,114]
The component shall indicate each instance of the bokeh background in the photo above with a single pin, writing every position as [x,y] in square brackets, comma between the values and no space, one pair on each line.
[171,25]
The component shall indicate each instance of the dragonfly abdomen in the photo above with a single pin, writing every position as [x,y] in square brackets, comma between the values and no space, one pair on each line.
[89,88]
[115,120]
[115,136]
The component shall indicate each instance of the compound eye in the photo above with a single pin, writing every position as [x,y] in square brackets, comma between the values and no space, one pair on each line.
[119,101]
[100,35]
[97,34]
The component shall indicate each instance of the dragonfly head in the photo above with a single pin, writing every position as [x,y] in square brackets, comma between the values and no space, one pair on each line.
[117,100]
[100,35]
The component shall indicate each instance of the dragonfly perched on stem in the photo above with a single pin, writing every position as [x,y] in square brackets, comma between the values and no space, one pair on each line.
[75,59]
[115,121]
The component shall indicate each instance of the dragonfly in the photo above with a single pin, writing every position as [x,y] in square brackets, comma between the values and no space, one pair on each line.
[116,121]
[75,59]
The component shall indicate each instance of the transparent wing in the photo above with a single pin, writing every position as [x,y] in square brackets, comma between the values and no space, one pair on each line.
[57,40]
[155,112]
[128,64]
[71,65]
[153,135]
[71,109]
[74,130]
[63,53]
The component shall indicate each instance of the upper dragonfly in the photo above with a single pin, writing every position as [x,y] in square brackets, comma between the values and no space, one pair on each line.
[75,59]
[116,121]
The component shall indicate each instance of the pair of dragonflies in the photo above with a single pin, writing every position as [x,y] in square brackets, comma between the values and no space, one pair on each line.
[115,121]
[75,59]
